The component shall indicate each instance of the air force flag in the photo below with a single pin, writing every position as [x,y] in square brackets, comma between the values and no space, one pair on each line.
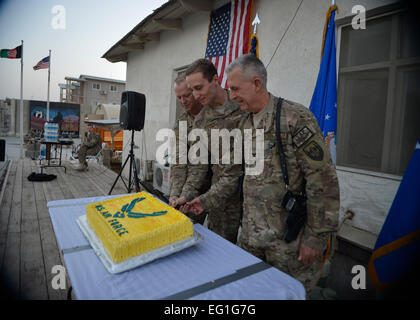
[396,256]
[324,100]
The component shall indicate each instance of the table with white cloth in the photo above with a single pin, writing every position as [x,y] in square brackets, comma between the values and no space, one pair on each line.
[212,269]
[58,143]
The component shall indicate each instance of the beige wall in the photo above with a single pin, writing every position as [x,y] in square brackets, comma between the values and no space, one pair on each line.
[26,116]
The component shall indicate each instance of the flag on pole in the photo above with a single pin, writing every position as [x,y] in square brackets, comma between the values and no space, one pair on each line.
[254,47]
[324,100]
[43,64]
[15,53]
[397,250]
[228,36]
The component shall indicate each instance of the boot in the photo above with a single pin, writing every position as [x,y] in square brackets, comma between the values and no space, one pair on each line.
[82,167]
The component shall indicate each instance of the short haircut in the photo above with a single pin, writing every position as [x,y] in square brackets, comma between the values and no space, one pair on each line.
[181,78]
[206,67]
[251,66]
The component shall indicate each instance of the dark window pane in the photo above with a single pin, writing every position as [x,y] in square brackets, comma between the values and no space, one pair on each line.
[410,33]
[411,108]
[363,46]
[363,104]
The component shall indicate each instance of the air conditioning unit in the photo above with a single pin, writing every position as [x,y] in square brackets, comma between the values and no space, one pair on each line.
[161,178]
[104,92]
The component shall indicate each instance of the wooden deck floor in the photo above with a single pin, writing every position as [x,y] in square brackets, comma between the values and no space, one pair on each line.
[28,247]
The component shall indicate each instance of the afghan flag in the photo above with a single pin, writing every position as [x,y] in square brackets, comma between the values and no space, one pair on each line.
[15,53]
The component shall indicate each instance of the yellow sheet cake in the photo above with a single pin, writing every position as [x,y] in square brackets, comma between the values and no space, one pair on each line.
[135,224]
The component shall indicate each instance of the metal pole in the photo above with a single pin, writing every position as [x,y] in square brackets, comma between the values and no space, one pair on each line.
[48,90]
[21,103]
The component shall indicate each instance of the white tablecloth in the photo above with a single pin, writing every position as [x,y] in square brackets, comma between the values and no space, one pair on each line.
[194,273]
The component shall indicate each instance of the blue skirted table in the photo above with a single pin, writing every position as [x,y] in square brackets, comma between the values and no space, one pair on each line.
[213,269]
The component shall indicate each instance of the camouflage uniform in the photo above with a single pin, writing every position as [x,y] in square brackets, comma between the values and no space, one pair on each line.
[90,147]
[222,201]
[179,171]
[308,161]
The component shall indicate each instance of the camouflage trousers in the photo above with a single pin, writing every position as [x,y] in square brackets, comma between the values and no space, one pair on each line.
[225,221]
[85,151]
[284,257]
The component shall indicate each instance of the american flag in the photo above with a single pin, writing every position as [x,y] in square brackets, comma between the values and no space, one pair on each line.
[228,36]
[43,64]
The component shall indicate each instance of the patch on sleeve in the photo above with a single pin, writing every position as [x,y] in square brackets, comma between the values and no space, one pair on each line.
[302,136]
[314,151]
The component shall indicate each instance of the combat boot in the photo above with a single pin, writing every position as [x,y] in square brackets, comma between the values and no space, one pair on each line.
[82,167]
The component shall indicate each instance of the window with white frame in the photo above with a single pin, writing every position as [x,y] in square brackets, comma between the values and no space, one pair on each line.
[113,88]
[379,92]
[96,86]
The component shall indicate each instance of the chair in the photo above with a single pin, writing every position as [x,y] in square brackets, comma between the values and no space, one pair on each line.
[74,150]
[99,155]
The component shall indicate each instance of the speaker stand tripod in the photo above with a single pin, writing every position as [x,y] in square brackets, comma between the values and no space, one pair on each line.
[135,181]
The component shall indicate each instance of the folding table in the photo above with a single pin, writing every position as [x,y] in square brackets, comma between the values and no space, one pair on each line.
[211,269]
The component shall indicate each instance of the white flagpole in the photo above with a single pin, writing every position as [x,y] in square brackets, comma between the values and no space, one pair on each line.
[48,91]
[21,103]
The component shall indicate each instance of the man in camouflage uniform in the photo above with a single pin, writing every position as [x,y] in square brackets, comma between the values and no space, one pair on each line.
[222,201]
[310,170]
[91,146]
[179,170]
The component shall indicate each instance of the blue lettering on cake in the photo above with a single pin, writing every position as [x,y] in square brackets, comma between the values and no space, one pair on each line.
[144,215]
[122,231]
[99,208]
[106,214]
[117,226]
[126,211]
[119,215]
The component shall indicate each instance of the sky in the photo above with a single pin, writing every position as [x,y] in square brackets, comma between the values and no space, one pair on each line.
[78,33]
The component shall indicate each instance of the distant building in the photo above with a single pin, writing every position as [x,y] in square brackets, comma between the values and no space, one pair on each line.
[91,91]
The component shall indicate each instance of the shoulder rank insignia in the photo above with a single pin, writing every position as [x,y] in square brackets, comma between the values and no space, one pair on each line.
[314,151]
[302,136]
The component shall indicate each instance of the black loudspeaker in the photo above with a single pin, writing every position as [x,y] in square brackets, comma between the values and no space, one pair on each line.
[2,149]
[133,110]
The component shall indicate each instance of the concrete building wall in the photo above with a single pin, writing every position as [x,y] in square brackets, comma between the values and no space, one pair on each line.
[7,118]
[26,116]
[93,96]
[292,73]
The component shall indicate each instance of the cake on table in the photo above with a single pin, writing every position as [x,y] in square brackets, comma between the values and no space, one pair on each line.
[135,224]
